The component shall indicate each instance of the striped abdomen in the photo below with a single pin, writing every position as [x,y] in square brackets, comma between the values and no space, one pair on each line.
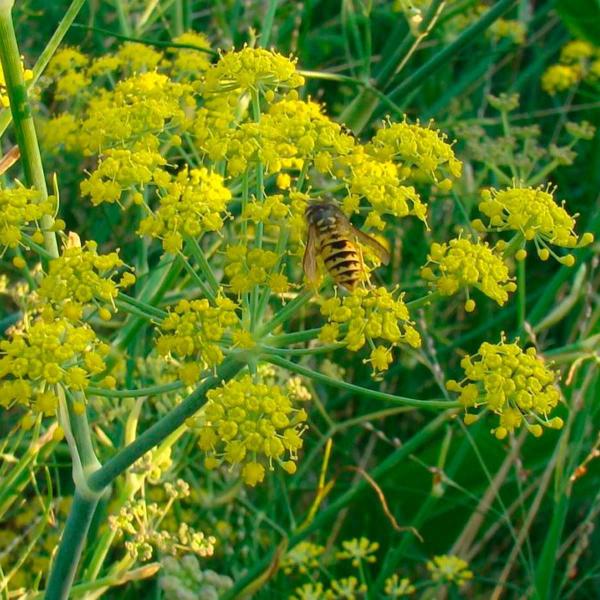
[340,256]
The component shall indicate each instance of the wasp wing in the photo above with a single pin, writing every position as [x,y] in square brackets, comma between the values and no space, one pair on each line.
[380,251]
[309,262]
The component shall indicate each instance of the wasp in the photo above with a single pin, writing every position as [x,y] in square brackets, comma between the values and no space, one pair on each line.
[332,237]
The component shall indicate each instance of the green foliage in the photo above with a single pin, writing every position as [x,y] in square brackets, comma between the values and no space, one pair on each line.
[582,18]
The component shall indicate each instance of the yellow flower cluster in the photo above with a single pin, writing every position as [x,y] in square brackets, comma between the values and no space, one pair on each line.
[461,263]
[19,208]
[143,104]
[247,423]
[121,169]
[369,314]
[288,135]
[535,214]
[358,550]
[397,588]
[139,521]
[134,57]
[379,183]
[576,50]
[302,558]
[309,591]
[511,29]
[251,69]
[247,268]
[272,210]
[81,277]
[191,204]
[347,587]
[68,70]
[398,153]
[46,352]
[558,78]
[449,568]
[579,62]
[211,126]
[421,153]
[187,62]
[298,131]
[518,386]
[192,332]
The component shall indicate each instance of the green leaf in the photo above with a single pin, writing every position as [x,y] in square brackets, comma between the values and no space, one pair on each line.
[582,18]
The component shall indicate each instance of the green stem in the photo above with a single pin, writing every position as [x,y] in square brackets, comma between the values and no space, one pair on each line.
[152,390]
[22,117]
[56,39]
[286,339]
[10,320]
[254,294]
[267,24]
[521,295]
[197,252]
[468,36]
[144,308]
[515,243]
[84,459]
[159,282]
[162,428]
[47,53]
[146,42]
[70,548]
[80,429]
[40,250]
[433,14]
[123,16]
[301,351]
[358,113]
[285,313]
[424,301]
[316,376]
[367,85]
[541,175]
[584,346]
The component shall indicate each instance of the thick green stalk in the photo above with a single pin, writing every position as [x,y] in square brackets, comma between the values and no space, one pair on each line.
[22,117]
[82,452]
[47,52]
[78,436]
[71,546]
[162,428]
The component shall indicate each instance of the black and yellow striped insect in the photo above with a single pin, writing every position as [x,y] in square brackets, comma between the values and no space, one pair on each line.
[332,237]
